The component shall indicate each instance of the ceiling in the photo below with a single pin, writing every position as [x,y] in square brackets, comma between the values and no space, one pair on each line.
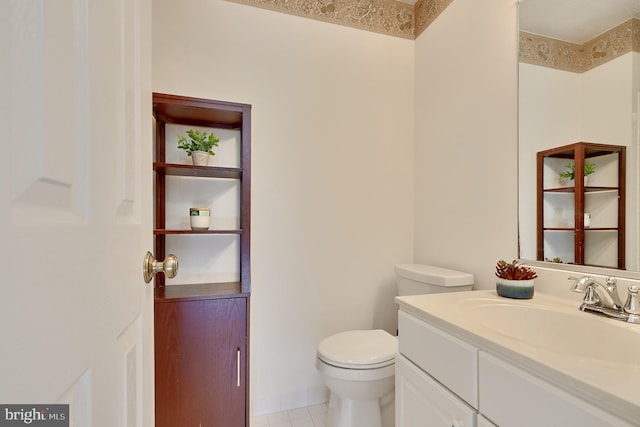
[576,21]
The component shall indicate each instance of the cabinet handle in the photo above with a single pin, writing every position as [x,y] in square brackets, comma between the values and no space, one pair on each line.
[238,368]
[456,423]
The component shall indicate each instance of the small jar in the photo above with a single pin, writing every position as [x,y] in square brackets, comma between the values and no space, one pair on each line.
[199,218]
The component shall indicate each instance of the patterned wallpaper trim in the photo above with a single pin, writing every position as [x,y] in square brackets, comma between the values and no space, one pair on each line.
[389,17]
[403,20]
[426,11]
[547,52]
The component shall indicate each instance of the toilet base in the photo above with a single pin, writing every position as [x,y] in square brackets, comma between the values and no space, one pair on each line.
[358,413]
[361,393]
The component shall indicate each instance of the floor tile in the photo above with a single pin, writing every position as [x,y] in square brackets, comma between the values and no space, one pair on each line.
[311,416]
[260,421]
[296,414]
[278,417]
[302,422]
[318,409]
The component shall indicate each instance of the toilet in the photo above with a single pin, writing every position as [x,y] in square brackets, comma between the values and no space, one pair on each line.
[358,367]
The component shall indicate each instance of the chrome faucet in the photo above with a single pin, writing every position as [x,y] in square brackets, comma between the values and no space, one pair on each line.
[596,293]
[603,299]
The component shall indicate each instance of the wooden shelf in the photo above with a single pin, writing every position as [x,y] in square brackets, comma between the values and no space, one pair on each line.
[197,171]
[559,229]
[199,291]
[585,229]
[198,111]
[166,232]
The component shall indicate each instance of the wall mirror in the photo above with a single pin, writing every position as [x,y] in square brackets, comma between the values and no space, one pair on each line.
[579,81]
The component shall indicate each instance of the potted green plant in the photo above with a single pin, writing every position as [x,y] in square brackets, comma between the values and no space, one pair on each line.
[570,174]
[514,280]
[198,145]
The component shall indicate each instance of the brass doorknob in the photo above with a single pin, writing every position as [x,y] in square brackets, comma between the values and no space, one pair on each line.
[151,266]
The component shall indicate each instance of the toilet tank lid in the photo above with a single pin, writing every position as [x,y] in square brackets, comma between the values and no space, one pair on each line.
[434,275]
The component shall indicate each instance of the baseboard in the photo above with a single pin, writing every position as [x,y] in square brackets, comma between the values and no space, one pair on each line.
[262,405]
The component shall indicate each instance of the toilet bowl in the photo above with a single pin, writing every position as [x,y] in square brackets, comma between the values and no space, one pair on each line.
[358,367]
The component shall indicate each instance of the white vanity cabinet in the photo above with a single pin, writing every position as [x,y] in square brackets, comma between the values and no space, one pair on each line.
[512,397]
[436,377]
[449,360]
[422,401]
[443,380]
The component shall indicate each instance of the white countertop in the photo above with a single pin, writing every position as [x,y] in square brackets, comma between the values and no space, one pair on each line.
[592,357]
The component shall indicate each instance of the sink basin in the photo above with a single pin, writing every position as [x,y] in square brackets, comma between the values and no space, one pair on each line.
[557,328]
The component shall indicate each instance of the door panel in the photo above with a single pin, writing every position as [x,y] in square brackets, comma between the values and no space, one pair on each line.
[75,208]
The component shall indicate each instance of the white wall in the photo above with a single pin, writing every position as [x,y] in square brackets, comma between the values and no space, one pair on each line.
[466,138]
[332,177]
[558,108]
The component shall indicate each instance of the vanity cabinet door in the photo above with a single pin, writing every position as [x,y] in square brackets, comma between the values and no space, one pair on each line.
[512,397]
[200,360]
[422,401]
[446,358]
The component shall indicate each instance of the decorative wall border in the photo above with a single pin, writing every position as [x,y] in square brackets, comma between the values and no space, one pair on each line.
[547,52]
[426,11]
[403,20]
[388,17]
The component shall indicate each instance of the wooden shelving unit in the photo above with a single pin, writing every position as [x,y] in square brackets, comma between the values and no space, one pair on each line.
[201,329]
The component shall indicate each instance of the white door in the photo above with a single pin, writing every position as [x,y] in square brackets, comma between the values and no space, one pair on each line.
[75,209]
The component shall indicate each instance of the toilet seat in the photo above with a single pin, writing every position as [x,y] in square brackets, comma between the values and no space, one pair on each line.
[371,349]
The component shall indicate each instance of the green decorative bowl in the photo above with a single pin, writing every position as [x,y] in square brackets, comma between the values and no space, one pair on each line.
[518,289]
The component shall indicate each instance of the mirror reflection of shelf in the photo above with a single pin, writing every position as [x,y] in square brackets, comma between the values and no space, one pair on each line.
[563,230]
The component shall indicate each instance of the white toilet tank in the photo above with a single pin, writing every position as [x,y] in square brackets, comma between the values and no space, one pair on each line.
[418,279]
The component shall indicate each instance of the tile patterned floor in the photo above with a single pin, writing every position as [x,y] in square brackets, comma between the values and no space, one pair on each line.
[312,416]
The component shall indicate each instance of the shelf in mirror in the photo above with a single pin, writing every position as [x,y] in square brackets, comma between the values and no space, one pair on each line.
[573,189]
[585,229]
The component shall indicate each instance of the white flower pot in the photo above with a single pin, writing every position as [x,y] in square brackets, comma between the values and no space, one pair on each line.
[200,158]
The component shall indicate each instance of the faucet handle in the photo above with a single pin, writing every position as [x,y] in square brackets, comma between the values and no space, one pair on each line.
[632,306]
